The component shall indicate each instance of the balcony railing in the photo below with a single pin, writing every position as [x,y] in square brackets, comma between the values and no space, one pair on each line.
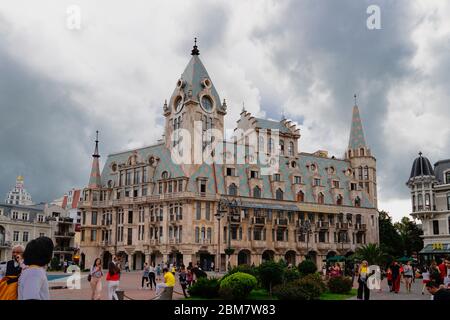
[154,241]
[341,225]
[322,225]
[259,220]
[360,226]
[6,244]
[282,221]
[64,234]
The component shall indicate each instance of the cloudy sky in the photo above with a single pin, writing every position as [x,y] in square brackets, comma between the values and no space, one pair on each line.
[58,84]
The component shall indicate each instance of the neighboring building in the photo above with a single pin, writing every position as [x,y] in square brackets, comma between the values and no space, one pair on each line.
[430,196]
[70,202]
[19,195]
[20,224]
[145,207]
[63,233]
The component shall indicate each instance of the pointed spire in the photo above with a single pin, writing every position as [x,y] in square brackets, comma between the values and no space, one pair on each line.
[95,178]
[357,139]
[195,51]
[283,116]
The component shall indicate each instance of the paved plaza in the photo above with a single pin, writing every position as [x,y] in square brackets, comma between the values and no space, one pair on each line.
[130,282]
[384,294]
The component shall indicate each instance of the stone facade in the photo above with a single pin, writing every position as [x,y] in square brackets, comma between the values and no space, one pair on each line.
[147,206]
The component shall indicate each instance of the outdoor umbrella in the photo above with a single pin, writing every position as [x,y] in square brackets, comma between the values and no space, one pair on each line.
[405,259]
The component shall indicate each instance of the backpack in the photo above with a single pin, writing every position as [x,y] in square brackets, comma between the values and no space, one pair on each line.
[9,288]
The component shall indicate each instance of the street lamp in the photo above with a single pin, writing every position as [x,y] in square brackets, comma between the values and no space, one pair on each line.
[305,228]
[227,207]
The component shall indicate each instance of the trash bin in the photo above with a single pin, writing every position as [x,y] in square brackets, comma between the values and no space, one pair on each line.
[120,294]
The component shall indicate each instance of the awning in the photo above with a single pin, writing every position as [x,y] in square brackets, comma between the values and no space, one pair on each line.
[336,259]
[256,205]
[437,248]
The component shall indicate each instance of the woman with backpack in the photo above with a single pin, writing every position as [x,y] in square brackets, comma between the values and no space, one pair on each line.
[183,279]
[113,280]
[95,279]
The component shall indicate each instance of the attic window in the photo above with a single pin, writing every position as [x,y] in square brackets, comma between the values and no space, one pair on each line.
[164,175]
[207,83]
[313,167]
[114,167]
[293,164]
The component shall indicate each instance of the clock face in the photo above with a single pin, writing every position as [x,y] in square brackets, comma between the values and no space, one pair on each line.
[207,103]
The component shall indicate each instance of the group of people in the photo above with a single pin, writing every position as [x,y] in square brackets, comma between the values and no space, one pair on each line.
[26,277]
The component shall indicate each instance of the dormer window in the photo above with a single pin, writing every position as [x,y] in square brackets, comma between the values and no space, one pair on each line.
[320,198]
[336,184]
[297,179]
[231,172]
[313,167]
[202,186]
[279,194]
[316,182]
[291,149]
[361,152]
[357,202]
[257,192]
[339,200]
[276,177]
[282,147]
[232,190]
[254,174]
[447,177]
[164,175]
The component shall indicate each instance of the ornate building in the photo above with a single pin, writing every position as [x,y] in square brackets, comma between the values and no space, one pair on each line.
[430,196]
[19,195]
[146,205]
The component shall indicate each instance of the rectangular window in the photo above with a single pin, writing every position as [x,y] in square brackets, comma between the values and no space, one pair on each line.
[130,216]
[448,201]
[130,236]
[15,215]
[230,172]
[82,235]
[180,186]
[254,174]
[297,180]
[203,186]
[25,216]
[316,182]
[336,184]
[198,215]
[93,235]
[40,218]
[94,218]
[41,234]
[208,211]
[435,226]
[144,191]
[16,236]
[128,178]
[276,177]
[353,186]
[144,175]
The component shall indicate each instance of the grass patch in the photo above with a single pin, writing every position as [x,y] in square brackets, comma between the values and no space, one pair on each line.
[255,294]
[338,296]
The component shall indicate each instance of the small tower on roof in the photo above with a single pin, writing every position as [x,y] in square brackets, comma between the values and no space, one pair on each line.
[360,156]
[95,177]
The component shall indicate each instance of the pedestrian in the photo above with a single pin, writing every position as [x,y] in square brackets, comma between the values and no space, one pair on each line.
[151,275]
[425,278]
[65,266]
[363,276]
[408,275]
[14,266]
[173,270]
[324,271]
[189,277]
[127,266]
[95,279]
[389,278]
[443,270]
[113,280]
[158,271]
[435,273]
[183,279]
[33,283]
[439,292]
[169,282]
[212,265]
[145,275]
[396,275]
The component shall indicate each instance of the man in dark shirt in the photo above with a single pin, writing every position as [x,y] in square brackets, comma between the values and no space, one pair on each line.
[395,277]
[438,292]
[14,266]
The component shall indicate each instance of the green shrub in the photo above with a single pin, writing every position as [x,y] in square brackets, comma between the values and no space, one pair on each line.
[307,288]
[317,278]
[340,284]
[54,264]
[307,267]
[205,288]
[270,274]
[291,275]
[245,268]
[237,286]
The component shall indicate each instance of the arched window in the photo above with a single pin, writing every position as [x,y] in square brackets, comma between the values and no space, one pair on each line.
[291,148]
[320,198]
[261,143]
[414,202]
[339,200]
[427,201]
[282,147]
[256,192]
[232,190]
[209,234]
[366,173]
[360,173]
[164,175]
[203,234]
[420,202]
[270,145]
[361,152]
[279,194]
[357,202]
[197,234]
[300,196]
[349,153]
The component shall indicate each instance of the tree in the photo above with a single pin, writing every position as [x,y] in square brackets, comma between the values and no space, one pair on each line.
[372,253]
[410,235]
[390,240]
[271,273]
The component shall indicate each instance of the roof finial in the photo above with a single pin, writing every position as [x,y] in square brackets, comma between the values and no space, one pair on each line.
[96,155]
[283,117]
[195,51]
[243,107]
[420,153]
[354,96]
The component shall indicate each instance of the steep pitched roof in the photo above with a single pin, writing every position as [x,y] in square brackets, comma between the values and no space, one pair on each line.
[270,124]
[356,132]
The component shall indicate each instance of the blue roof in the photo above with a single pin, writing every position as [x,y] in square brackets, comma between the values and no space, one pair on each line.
[270,124]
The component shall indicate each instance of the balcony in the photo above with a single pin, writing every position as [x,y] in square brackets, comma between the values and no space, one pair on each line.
[259,220]
[5,244]
[64,249]
[64,234]
[235,219]
[281,222]
[259,243]
[154,242]
[360,227]
[322,225]
[341,225]
[174,241]
[106,243]
[281,244]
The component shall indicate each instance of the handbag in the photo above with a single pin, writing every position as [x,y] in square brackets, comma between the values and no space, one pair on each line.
[89,278]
